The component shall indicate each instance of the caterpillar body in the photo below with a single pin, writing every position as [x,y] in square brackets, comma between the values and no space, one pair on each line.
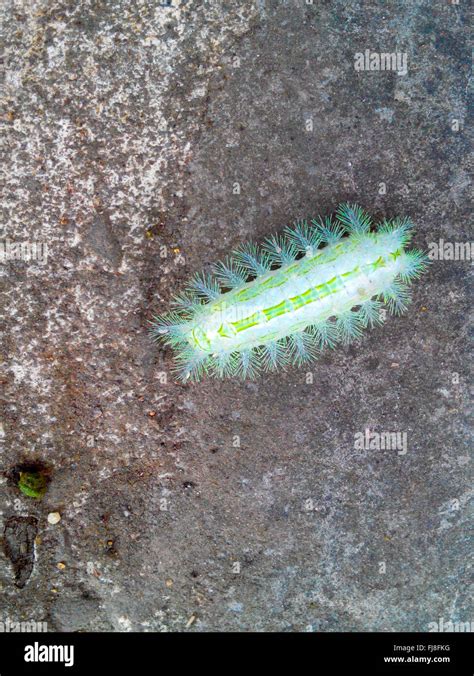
[310,288]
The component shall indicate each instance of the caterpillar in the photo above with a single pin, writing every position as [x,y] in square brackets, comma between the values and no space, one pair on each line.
[310,288]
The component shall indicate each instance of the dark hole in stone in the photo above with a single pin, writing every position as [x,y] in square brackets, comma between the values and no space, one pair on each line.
[31,478]
[18,541]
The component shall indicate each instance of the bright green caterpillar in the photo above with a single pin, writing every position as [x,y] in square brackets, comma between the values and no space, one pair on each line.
[281,304]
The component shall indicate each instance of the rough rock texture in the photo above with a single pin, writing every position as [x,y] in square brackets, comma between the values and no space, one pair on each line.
[223,505]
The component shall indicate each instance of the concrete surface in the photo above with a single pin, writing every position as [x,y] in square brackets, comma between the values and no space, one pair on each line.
[222,505]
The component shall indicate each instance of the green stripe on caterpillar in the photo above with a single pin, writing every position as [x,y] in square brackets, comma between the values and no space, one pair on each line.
[313,286]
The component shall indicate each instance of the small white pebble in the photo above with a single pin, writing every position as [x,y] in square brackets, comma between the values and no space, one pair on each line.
[54,517]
